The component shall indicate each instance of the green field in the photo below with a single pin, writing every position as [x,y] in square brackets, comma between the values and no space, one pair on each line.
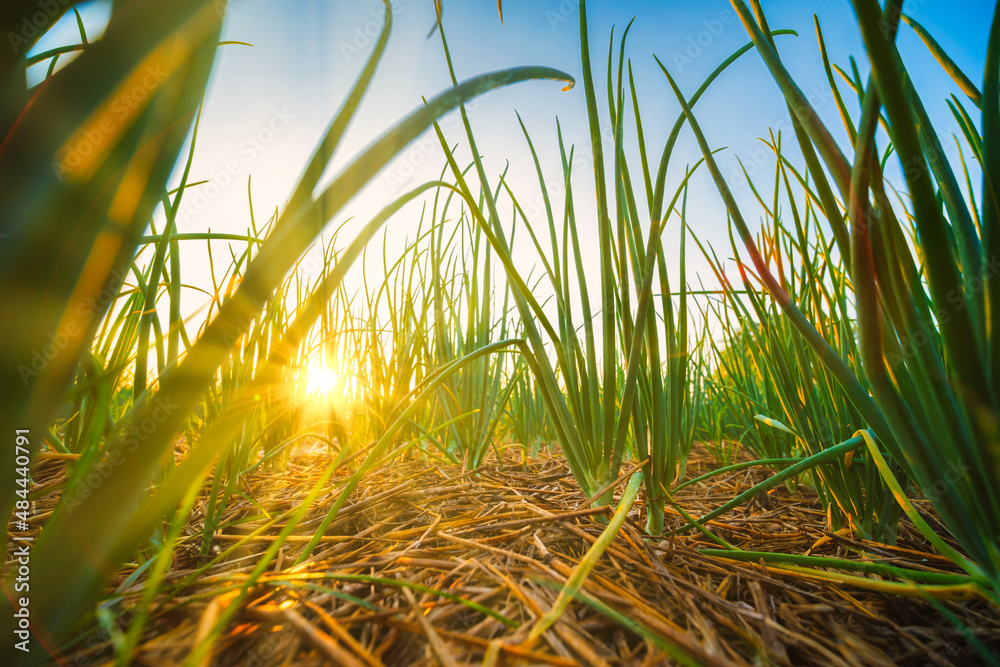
[477,459]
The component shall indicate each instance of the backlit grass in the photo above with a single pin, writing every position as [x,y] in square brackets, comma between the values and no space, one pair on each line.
[856,355]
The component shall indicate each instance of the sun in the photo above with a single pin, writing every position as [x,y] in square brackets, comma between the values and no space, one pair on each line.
[322,381]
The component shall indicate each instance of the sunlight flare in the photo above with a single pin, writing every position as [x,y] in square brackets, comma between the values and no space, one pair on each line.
[322,381]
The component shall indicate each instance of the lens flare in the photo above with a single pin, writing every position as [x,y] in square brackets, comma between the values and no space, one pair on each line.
[322,381]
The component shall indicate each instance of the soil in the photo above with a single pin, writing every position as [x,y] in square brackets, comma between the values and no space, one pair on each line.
[410,568]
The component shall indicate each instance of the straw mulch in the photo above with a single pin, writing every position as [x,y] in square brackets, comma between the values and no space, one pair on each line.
[447,545]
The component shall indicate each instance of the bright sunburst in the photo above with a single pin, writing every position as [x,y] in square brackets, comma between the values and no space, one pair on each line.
[322,380]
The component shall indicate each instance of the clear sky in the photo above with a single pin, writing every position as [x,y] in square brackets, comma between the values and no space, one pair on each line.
[267,106]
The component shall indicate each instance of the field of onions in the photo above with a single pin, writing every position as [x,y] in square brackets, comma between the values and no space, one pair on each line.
[474,459]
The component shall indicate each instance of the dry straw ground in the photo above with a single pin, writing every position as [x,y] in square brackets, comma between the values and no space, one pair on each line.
[430,566]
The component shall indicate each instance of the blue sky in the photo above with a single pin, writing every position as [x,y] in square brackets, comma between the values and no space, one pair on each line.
[267,106]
